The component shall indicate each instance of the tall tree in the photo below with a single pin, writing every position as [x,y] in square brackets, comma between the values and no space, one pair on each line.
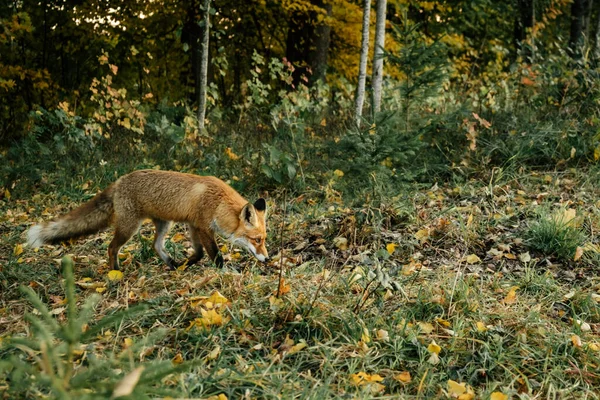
[524,21]
[378,55]
[362,69]
[204,67]
[320,47]
[576,39]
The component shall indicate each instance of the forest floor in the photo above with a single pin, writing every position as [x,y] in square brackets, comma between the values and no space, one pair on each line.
[484,289]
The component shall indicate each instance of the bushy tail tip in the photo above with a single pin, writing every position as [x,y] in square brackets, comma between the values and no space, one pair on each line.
[34,236]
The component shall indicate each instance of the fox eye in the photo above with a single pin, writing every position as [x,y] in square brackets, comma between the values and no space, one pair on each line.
[257,240]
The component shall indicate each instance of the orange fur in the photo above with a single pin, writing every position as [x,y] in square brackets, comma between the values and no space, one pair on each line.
[207,204]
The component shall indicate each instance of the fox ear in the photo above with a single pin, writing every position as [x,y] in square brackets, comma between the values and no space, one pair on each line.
[260,205]
[248,215]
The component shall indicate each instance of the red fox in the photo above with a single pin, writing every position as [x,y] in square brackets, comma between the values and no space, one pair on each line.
[207,204]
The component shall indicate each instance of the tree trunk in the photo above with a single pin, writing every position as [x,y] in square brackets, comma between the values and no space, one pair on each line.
[362,69]
[204,67]
[378,56]
[524,21]
[578,8]
[320,46]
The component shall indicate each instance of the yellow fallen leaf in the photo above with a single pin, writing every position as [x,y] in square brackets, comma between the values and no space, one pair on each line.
[18,249]
[178,237]
[297,347]
[362,378]
[473,259]
[341,243]
[338,173]
[455,389]
[127,342]
[217,298]
[178,359]
[224,248]
[578,253]
[115,275]
[403,377]
[382,335]
[498,396]
[594,346]
[391,247]
[425,327]
[443,322]
[480,326]
[511,296]
[127,384]
[101,289]
[434,347]
[576,340]
[7,194]
[214,353]
[219,397]
[422,235]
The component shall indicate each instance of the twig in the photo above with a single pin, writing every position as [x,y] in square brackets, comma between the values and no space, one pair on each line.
[281,244]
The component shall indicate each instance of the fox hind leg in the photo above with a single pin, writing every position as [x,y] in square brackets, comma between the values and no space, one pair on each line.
[162,229]
[123,233]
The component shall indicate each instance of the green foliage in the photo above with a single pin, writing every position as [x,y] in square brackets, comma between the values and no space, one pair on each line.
[51,362]
[555,235]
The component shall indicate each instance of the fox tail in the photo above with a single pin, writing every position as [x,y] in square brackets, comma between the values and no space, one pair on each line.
[86,219]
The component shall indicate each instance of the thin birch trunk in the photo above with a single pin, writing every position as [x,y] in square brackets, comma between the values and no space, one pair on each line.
[362,69]
[378,55]
[204,68]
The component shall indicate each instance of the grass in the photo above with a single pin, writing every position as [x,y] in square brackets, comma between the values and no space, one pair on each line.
[511,322]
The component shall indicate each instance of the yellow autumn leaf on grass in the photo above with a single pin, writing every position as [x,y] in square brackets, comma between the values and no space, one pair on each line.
[460,391]
[391,247]
[231,154]
[216,299]
[369,380]
[511,296]
[498,396]
[224,248]
[214,353]
[473,259]
[578,253]
[178,359]
[480,326]
[297,347]
[403,377]
[434,348]
[422,235]
[115,275]
[341,243]
[576,340]
[219,397]
[178,237]
[7,194]
[425,327]
[127,342]
[18,249]
[338,173]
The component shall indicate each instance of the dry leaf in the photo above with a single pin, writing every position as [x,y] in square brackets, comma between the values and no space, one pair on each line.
[115,275]
[498,396]
[403,377]
[434,347]
[341,243]
[473,259]
[391,247]
[578,253]
[127,384]
[576,340]
[511,296]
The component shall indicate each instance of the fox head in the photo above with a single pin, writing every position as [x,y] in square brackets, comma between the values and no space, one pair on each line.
[251,233]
